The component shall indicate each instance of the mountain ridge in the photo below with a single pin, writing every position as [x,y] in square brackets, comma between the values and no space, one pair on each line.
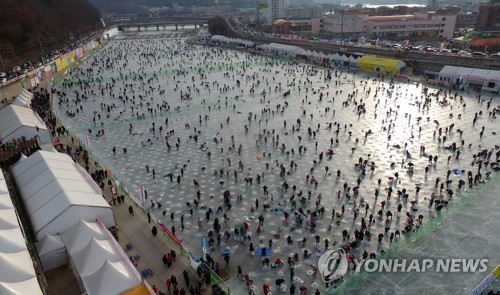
[28,26]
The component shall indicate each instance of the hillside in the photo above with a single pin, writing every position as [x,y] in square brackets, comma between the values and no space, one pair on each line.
[27,23]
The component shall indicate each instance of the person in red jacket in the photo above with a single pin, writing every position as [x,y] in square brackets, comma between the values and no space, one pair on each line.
[266,288]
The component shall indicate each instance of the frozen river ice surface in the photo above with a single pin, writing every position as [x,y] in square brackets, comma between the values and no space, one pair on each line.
[319,150]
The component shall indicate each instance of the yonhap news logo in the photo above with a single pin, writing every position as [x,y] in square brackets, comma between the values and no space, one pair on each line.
[439,265]
[333,265]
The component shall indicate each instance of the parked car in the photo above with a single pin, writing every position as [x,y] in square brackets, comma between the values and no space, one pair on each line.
[479,54]
[3,75]
[16,69]
[11,75]
[463,53]
[495,55]
[3,80]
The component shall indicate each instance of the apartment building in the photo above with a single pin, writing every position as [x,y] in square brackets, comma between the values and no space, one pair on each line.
[416,25]
[275,10]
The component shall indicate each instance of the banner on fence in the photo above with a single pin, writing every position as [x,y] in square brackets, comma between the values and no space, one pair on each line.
[70,57]
[89,45]
[142,194]
[34,80]
[193,261]
[134,198]
[87,141]
[61,63]
[170,234]
[79,52]
[204,247]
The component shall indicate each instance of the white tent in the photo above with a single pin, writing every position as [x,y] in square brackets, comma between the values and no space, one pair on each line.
[285,50]
[17,274]
[451,74]
[80,235]
[8,219]
[12,240]
[17,121]
[4,202]
[203,33]
[477,76]
[352,59]
[51,251]
[111,278]
[29,286]
[487,79]
[241,42]
[59,194]
[97,259]
[334,56]
[219,39]
[100,251]
[23,99]
[16,267]
[322,55]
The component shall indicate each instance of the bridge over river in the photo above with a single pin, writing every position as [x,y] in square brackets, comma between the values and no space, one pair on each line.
[160,24]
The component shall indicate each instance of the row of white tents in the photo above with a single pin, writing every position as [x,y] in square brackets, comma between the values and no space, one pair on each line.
[17,273]
[57,193]
[101,265]
[19,120]
[70,217]
[487,79]
[223,40]
[284,50]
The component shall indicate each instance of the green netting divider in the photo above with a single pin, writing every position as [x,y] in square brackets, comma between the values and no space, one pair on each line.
[353,280]
[165,73]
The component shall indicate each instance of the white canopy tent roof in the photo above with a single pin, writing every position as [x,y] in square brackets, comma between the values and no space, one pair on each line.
[339,57]
[29,286]
[452,73]
[17,121]
[51,251]
[16,267]
[4,202]
[219,38]
[352,58]
[111,278]
[23,99]
[49,243]
[482,74]
[99,251]
[98,260]
[80,235]
[17,274]
[8,219]
[57,193]
[203,33]
[289,50]
[224,39]
[12,240]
